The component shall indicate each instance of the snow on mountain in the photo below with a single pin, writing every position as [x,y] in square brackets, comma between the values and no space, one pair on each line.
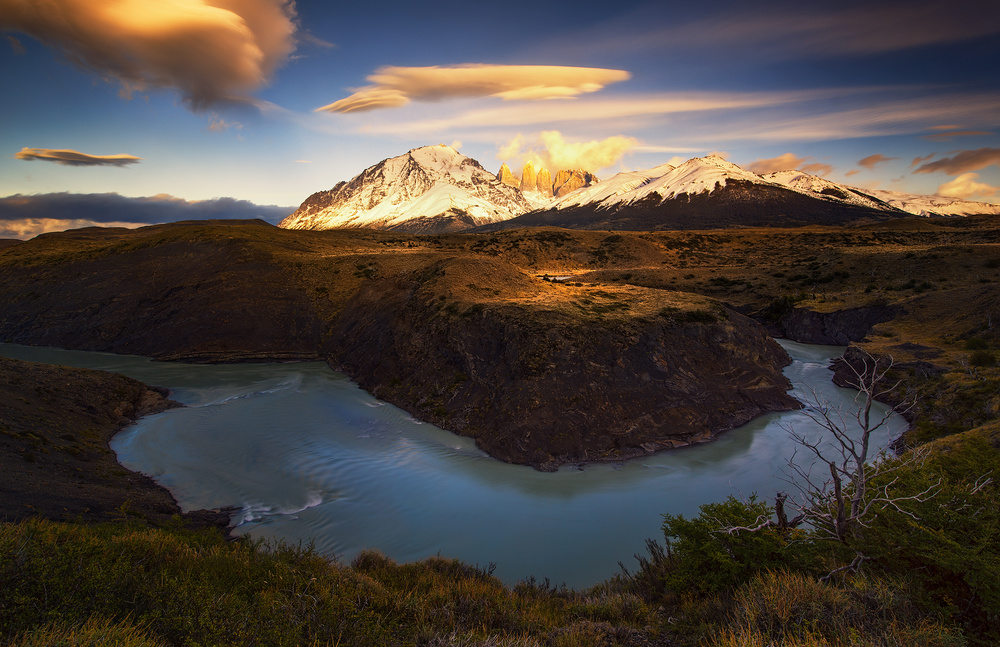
[933,205]
[822,188]
[695,176]
[427,190]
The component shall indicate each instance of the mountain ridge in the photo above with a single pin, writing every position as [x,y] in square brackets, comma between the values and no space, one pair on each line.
[435,189]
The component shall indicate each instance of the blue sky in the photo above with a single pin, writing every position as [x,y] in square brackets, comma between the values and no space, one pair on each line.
[220,98]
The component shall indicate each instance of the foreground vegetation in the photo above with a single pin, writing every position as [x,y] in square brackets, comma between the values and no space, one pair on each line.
[929,578]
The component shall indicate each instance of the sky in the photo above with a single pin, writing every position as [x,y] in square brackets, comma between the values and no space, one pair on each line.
[135,111]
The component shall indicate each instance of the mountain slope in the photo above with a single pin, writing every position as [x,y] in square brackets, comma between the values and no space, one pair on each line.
[428,190]
[701,193]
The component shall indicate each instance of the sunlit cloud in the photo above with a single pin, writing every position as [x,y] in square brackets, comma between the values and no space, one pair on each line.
[596,109]
[209,50]
[921,160]
[393,87]
[965,186]
[948,136]
[817,168]
[964,162]
[217,124]
[74,158]
[852,172]
[785,162]
[872,161]
[549,149]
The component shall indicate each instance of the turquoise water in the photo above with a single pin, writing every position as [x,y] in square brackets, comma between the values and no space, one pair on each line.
[307,456]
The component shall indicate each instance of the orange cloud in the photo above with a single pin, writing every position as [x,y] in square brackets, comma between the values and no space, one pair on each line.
[785,162]
[921,160]
[872,161]
[209,50]
[396,86]
[74,158]
[550,150]
[964,162]
[817,168]
[965,186]
[853,171]
[948,136]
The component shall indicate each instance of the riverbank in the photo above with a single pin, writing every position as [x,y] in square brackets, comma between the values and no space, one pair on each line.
[55,463]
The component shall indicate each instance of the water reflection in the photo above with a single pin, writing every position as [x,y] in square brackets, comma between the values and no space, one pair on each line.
[308,456]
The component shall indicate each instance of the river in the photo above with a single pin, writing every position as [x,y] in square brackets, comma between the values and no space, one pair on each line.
[309,457]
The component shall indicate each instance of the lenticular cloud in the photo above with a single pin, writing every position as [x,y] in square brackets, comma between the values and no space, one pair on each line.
[209,50]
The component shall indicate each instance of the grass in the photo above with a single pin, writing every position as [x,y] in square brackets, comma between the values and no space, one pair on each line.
[72,584]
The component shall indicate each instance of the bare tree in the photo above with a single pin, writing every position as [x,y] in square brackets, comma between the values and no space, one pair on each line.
[842,488]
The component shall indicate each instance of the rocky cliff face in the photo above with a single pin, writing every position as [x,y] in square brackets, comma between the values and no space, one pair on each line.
[540,387]
[837,328]
[508,178]
[529,182]
[543,183]
[569,181]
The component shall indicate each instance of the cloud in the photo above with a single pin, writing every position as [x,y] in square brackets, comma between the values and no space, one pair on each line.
[948,136]
[872,161]
[29,215]
[817,168]
[549,149]
[217,124]
[785,162]
[965,186]
[783,31]
[964,162]
[396,86]
[853,171]
[74,158]
[921,160]
[209,50]
[592,109]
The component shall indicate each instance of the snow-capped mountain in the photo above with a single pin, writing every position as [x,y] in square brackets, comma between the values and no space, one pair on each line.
[428,190]
[706,192]
[825,189]
[933,205]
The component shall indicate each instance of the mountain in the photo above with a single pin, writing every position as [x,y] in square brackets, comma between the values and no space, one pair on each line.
[432,189]
[703,192]
[933,205]
[918,205]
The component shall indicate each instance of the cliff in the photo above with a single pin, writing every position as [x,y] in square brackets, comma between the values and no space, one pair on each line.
[539,373]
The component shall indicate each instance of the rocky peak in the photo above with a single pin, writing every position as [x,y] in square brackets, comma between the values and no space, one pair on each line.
[528,179]
[506,177]
[544,183]
[569,181]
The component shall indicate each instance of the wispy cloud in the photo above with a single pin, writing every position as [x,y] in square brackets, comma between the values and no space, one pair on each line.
[963,162]
[74,158]
[948,136]
[209,50]
[817,168]
[921,160]
[785,162]
[872,161]
[393,87]
[965,186]
[788,162]
[785,31]
[549,149]
[594,110]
